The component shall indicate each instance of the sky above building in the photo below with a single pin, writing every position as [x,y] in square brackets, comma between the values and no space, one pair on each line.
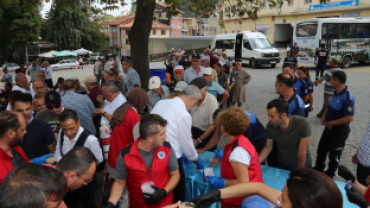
[113,12]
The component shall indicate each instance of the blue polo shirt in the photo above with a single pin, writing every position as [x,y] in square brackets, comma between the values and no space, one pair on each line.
[300,87]
[190,74]
[309,85]
[341,105]
[256,130]
[214,88]
[296,105]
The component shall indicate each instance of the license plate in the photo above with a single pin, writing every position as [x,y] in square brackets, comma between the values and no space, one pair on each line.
[272,62]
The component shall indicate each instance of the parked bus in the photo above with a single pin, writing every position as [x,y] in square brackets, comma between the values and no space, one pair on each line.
[347,39]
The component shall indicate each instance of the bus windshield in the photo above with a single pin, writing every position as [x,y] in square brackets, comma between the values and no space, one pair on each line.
[260,43]
[306,30]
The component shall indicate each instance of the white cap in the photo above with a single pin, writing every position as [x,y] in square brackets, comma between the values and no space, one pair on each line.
[178,67]
[154,82]
[180,86]
[205,58]
[207,71]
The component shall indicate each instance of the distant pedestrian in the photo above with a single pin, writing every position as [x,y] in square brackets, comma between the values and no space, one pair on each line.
[296,50]
[323,56]
[7,77]
[242,78]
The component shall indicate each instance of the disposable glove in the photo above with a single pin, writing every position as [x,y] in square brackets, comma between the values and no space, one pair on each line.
[219,153]
[205,200]
[355,197]
[154,197]
[199,164]
[186,162]
[346,173]
[216,182]
[41,160]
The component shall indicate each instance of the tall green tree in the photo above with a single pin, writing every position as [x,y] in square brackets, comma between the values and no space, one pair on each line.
[20,24]
[93,37]
[66,23]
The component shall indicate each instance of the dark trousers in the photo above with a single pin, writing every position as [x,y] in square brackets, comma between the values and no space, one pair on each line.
[49,83]
[85,194]
[362,173]
[179,190]
[332,142]
[320,70]
[197,133]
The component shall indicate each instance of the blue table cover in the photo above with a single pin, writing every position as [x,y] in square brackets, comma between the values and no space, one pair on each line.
[273,177]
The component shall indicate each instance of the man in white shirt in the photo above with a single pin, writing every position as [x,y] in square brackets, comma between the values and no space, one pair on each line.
[114,99]
[202,115]
[20,83]
[73,135]
[178,130]
[48,75]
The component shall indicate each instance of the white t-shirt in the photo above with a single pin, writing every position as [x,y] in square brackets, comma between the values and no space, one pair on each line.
[48,73]
[239,154]
[110,107]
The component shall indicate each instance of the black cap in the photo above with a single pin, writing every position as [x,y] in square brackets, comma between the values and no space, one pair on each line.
[195,55]
[199,82]
[52,98]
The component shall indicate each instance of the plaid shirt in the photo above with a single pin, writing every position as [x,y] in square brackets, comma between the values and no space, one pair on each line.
[364,149]
[84,108]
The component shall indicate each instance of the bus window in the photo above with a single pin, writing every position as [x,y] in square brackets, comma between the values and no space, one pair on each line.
[219,44]
[228,44]
[347,31]
[363,30]
[330,31]
[306,30]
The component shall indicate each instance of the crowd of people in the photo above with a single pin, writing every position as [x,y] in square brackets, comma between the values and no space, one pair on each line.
[51,146]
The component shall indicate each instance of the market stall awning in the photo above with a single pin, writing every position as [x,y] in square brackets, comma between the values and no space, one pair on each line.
[65,53]
[48,54]
[82,51]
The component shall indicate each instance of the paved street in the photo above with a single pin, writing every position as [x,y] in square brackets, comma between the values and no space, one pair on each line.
[260,91]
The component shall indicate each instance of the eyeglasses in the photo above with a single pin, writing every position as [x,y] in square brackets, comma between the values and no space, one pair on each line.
[52,107]
[85,180]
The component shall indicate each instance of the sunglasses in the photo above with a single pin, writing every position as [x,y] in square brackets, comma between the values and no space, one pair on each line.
[52,107]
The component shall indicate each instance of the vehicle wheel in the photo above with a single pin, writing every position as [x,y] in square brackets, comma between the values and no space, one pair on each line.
[346,62]
[253,64]
[273,65]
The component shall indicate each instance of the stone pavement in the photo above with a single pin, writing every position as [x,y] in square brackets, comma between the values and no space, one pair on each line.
[260,90]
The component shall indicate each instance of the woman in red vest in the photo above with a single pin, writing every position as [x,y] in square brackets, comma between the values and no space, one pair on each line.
[240,161]
[305,187]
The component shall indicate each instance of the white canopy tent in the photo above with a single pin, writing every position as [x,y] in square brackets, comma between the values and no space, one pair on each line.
[82,52]
[48,54]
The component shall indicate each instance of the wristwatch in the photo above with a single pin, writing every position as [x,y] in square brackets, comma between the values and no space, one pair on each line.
[200,141]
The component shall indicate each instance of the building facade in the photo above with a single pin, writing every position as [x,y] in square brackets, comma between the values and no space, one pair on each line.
[279,27]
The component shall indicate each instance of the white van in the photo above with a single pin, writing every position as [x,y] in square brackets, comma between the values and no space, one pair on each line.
[249,47]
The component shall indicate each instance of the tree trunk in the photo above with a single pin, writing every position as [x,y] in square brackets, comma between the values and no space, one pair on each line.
[139,39]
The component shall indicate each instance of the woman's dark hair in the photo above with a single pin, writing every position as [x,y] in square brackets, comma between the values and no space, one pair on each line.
[304,70]
[311,188]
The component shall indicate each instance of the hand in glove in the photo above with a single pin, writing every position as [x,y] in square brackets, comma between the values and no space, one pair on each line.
[346,173]
[41,160]
[216,182]
[199,164]
[154,197]
[355,197]
[185,161]
[205,200]
[219,154]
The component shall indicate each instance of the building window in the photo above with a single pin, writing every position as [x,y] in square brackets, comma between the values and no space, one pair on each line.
[127,31]
[265,3]
[114,29]
[179,26]
[173,35]
[225,32]
[115,40]
[179,16]
[163,32]
[178,35]
[173,26]
[308,1]
[154,32]
[233,31]
[127,42]
[290,3]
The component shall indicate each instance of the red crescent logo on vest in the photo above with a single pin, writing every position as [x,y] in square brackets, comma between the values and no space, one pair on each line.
[161,155]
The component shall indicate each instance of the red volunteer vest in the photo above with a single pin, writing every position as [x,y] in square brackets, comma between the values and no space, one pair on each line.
[367,195]
[138,173]
[122,136]
[254,169]
[6,161]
